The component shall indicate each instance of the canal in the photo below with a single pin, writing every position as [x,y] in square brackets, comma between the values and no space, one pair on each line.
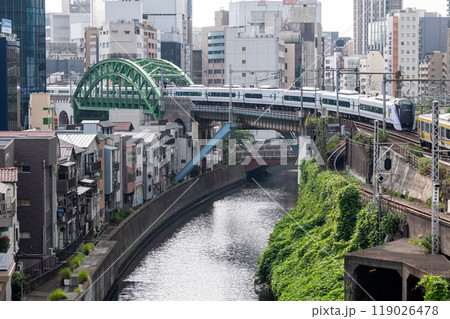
[211,253]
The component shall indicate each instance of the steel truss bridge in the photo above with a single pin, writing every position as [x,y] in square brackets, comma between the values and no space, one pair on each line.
[125,84]
[138,84]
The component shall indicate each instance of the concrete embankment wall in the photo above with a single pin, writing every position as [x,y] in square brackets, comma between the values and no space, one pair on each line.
[406,179]
[113,254]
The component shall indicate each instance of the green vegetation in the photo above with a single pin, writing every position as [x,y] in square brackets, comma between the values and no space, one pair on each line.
[424,165]
[436,288]
[58,295]
[120,216]
[65,273]
[390,222]
[241,137]
[18,281]
[76,261]
[4,244]
[321,138]
[423,242]
[87,248]
[415,150]
[83,276]
[304,259]
[352,179]
[359,139]
[311,120]
[334,141]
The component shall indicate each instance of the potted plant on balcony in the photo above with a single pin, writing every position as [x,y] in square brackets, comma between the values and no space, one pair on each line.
[58,295]
[4,244]
[65,274]
[83,276]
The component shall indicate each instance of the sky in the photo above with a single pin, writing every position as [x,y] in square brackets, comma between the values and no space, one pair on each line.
[337,15]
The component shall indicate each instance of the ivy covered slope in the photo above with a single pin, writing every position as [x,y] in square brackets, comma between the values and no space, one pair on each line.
[304,259]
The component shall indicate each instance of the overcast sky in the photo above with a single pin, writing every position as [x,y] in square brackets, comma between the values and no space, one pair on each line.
[337,15]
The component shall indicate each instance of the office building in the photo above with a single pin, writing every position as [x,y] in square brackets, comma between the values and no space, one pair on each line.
[28,23]
[9,82]
[368,11]
[173,18]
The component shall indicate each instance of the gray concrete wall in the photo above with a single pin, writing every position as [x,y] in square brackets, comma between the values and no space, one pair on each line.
[358,161]
[421,225]
[118,249]
[406,179]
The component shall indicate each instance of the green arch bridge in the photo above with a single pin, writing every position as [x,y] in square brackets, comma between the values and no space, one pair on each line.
[127,84]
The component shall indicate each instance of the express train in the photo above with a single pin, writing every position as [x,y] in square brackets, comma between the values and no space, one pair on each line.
[424,130]
[400,112]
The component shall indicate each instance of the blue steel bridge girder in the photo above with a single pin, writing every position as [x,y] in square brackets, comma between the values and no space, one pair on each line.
[126,84]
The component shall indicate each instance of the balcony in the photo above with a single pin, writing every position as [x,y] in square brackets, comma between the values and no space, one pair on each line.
[93,167]
[116,166]
[65,186]
[7,212]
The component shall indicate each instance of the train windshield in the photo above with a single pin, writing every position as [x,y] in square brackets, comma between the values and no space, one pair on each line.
[405,111]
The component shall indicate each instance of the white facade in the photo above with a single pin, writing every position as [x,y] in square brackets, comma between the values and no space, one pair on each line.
[373,62]
[57,28]
[349,81]
[120,40]
[123,10]
[258,59]
[403,54]
[78,21]
[245,12]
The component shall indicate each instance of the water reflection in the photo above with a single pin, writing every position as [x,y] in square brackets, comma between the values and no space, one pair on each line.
[213,255]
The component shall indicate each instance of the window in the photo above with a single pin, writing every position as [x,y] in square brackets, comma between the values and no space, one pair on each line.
[187,93]
[127,32]
[298,98]
[244,62]
[253,96]
[370,108]
[23,202]
[221,94]
[25,169]
[25,235]
[244,49]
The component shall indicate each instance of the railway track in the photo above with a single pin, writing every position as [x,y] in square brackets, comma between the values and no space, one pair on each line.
[398,204]
[408,137]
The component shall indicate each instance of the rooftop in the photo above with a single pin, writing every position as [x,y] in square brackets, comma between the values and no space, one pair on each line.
[80,140]
[123,126]
[9,175]
[26,134]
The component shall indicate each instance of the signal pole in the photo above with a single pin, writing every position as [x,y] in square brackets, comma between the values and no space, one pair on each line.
[376,199]
[230,105]
[338,75]
[435,181]
[384,105]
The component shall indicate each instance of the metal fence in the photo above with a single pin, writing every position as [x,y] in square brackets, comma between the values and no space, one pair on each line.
[48,268]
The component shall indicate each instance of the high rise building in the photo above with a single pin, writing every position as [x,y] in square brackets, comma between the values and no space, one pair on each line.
[9,81]
[28,23]
[368,11]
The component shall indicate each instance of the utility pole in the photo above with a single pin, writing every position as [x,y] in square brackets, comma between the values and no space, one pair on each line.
[435,181]
[230,105]
[376,199]
[384,104]
[338,75]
